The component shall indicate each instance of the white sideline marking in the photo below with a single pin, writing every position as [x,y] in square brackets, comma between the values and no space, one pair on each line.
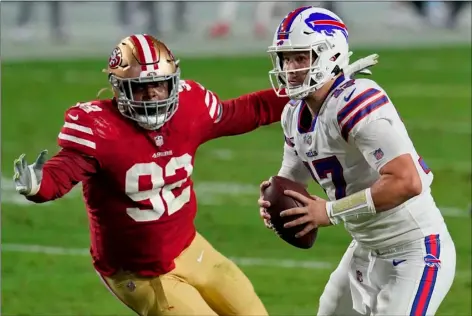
[241,261]
[208,193]
[436,164]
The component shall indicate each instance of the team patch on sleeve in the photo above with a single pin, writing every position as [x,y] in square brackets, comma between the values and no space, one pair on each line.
[358,108]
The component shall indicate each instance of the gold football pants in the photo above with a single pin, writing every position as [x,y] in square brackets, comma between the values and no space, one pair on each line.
[204,282]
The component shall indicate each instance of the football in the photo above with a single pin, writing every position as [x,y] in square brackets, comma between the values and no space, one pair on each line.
[280,202]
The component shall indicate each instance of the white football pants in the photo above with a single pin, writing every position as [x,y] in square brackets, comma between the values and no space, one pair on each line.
[412,279]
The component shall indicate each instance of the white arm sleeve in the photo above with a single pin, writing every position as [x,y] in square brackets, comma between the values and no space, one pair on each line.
[293,167]
[380,143]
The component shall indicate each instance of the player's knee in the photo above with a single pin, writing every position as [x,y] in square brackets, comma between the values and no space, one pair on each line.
[229,279]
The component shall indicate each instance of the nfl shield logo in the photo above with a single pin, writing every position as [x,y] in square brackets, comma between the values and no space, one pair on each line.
[378,154]
[307,138]
[159,139]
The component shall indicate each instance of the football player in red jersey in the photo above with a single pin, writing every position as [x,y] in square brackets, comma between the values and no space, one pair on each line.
[134,155]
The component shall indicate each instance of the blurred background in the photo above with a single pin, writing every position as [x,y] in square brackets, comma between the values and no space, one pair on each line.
[65,29]
[52,54]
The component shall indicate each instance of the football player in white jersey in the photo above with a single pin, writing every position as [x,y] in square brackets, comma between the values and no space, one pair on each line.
[346,135]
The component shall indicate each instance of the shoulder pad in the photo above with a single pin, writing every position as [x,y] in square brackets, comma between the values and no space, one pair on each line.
[78,132]
[190,86]
[359,103]
[91,106]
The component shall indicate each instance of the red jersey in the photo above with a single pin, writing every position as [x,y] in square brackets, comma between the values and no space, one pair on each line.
[137,183]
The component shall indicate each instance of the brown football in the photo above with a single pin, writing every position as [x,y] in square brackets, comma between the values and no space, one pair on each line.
[280,202]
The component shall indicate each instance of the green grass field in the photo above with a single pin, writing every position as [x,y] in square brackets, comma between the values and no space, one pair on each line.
[430,87]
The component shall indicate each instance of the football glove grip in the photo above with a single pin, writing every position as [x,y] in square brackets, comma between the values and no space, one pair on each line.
[27,178]
[360,66]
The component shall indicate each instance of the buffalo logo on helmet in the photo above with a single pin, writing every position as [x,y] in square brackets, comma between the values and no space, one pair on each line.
[326,24]
[115,58]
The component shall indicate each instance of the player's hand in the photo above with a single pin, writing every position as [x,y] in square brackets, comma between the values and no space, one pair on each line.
[314,213]
[360,66]
[264,204]
[27,178]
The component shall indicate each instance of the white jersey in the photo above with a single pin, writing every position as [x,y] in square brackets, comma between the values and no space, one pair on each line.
[343,164]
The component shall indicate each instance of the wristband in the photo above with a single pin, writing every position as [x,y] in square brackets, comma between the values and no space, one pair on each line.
[354,205]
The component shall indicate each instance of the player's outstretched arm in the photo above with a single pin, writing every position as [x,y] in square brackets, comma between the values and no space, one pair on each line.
[242,114]
[48,180]
[250,111]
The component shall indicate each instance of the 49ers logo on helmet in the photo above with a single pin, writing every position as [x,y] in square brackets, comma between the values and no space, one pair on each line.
[115,58]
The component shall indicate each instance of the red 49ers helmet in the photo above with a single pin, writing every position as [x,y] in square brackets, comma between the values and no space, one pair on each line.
[137,61]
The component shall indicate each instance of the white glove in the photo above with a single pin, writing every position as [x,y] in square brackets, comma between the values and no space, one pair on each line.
[27,178]
[360,66]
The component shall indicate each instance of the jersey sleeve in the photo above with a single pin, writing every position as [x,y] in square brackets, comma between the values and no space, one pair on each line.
[77,158]
[77,133]
[292,167]
[361,104]
[240,115]
[379,143]
[286,122]
[62,172]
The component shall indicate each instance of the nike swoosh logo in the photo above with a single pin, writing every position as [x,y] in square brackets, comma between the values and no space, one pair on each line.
[397,262]
[348,97]
[199,259]
[75,118]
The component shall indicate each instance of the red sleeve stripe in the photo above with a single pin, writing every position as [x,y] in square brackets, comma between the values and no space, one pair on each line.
[77,127]
[77,140]
[366,110]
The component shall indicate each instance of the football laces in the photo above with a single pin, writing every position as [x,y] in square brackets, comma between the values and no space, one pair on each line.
[271,226]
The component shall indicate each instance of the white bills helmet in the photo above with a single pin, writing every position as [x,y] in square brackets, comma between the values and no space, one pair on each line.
[317,31]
